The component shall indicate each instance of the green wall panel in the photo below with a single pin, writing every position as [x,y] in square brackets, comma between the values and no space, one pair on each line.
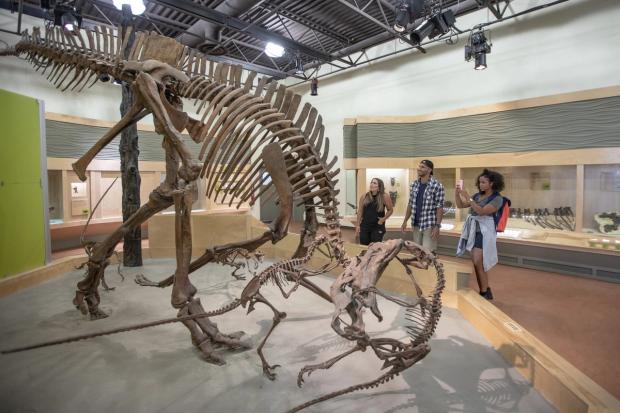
[22,215]
[574,125]
[350,141]
[71,140]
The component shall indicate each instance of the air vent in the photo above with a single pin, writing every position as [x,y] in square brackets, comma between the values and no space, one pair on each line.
[545,265]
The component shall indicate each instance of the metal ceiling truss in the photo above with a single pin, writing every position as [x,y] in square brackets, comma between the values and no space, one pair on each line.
[314,33]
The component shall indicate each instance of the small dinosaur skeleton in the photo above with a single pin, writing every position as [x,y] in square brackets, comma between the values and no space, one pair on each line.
[256,141]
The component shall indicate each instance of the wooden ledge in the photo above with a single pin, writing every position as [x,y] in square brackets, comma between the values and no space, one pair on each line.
[561,383]
[14,283]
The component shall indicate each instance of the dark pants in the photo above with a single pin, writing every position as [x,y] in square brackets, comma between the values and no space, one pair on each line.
[478,240]
[374,234]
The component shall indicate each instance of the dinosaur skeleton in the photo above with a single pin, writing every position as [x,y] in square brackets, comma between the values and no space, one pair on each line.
[255,138]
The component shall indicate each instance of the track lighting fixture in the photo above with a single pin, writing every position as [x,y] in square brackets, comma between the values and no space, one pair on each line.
[299,66]
[314,87]
[67,16]
[406,12]
[477,47]
[436,25]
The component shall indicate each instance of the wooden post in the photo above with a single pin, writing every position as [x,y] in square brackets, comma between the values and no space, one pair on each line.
[130,174]
[458,215]
[95,192]
[580,184]
[361,185]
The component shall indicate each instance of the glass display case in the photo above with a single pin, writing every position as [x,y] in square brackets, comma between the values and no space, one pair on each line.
[563,205]
[396,183]
[55,202]
[71,200]
[447,177]
[601,211]
[543,199]
[351,192]
[78,198]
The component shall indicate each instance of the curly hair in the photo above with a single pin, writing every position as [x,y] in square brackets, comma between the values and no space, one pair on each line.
[495,178]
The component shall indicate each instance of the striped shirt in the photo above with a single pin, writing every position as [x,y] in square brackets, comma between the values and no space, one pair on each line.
[434,196]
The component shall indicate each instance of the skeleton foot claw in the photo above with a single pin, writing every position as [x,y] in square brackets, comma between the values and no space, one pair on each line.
[231,341]
[97,314]
[142,280]
[80,302]
[88,304]
[300,376]
[269,371]
[213,359]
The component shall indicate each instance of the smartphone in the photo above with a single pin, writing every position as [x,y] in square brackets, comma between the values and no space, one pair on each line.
[459,184]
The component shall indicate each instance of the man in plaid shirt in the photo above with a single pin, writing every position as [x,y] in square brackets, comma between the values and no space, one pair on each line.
[425,208]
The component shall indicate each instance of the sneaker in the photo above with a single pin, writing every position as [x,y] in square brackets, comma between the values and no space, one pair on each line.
[487,294]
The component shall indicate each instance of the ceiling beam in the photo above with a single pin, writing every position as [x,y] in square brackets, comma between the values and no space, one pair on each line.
[390,30]
[233,23]
[304,21]
[277,74]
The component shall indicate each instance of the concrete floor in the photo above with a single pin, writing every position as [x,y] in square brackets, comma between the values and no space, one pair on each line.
[158,370]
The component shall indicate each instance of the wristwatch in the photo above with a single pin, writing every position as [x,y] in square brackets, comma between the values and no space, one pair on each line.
[437,226]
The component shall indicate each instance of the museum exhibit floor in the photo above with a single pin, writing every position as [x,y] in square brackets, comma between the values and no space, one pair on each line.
[157,369]
[579,318]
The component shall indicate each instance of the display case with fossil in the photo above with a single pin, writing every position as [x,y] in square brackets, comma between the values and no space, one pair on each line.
[543,197]
[601,212]
[396,183]
[447,177]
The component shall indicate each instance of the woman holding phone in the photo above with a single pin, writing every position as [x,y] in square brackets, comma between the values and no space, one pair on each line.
[374,208]
[479,235]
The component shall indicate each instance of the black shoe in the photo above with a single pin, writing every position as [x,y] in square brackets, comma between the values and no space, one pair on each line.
[487,294]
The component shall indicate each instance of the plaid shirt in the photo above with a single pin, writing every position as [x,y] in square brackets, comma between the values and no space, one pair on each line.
[434,195]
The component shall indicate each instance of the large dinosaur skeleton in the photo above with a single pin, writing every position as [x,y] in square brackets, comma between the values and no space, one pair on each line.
[255,138]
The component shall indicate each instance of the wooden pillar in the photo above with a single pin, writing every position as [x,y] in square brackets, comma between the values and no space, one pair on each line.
[66,197]
[95,192]
[458,215]
[361,184]
[580,185]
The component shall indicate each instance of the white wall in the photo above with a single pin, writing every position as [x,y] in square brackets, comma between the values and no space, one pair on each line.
[570,47]
[565,48]
[99,102]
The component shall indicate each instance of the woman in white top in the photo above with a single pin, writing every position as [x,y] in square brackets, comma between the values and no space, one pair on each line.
[479,235]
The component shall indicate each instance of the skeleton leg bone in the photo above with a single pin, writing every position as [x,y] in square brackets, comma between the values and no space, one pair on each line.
[87,296]
[274,163]
[149,95]
[326,364]
[134,114]
[278,316]
[203,331]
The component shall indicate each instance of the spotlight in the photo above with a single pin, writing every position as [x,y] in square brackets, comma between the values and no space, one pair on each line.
[137,6]
[442,22]
[422,31]
[274,50]
[402,17]
[406,12]
[68,17]
[70,22]
[314,87]
[480,61]
[436,25]
[477,47]
[299,66]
